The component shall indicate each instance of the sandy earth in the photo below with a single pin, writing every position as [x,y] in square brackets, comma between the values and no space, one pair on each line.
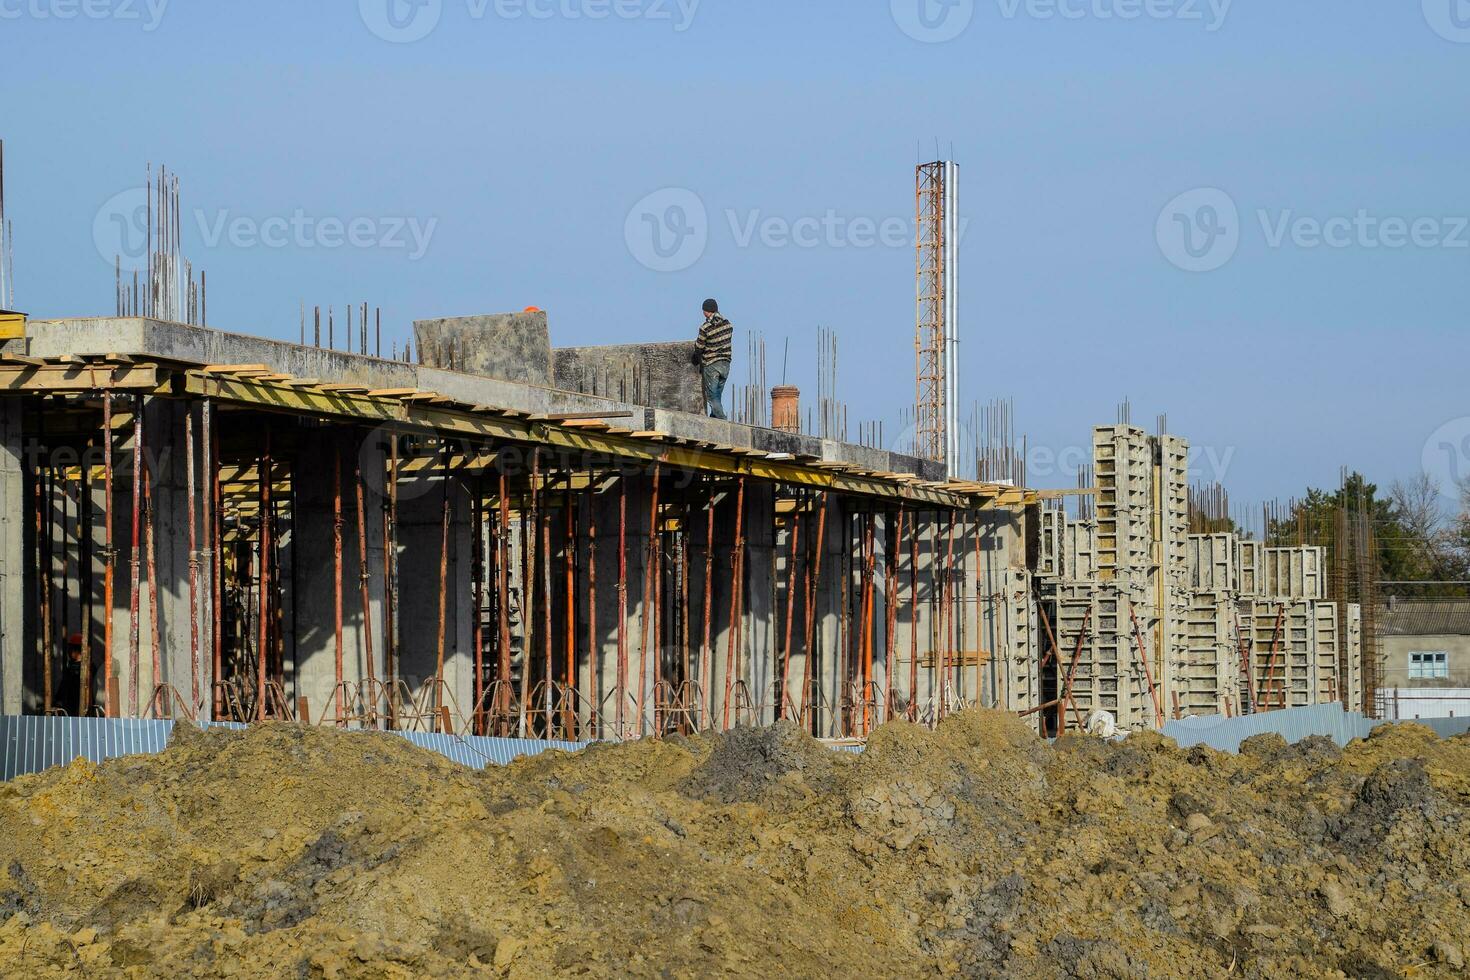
[975,850]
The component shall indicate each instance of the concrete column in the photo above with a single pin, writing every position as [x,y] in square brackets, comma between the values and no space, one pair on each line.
[420,547]
[13,648]
[163,444]
[759,667]
[312,571]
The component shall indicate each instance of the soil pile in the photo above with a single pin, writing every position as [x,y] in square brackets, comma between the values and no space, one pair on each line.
[973,850]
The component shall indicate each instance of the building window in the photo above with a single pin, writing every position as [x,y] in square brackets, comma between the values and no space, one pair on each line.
[1429,664]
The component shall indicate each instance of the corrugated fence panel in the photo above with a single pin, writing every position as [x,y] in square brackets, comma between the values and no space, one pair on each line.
[32,743]
[1292,724]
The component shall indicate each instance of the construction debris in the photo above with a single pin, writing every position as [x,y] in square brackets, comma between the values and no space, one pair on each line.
[972,850]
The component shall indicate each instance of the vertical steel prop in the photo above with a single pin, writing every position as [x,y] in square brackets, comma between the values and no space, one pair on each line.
[864,619]
[594,677]
[339,695]
[813,586]
[43,543]
[438,699]
[216,562]
[844,637]
[390,577]
[502,576]
[264,578]
[737,561]
[621,691]
[687,665]
[134,651]
[109,703]
[706,651]
[153,591]
[893,526]
[946,617]
[781,695]
[193,560]
[648,621]
[85,574]
[543,521]
[364,576]
[570,553]
[477,587]
[914,621]
[528,591]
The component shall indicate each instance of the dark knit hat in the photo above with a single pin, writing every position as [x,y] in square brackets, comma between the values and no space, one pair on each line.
[710,306]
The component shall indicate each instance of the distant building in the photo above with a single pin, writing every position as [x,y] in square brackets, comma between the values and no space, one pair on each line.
[1425,665]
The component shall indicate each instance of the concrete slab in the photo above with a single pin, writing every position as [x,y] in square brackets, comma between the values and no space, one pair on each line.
[201,345]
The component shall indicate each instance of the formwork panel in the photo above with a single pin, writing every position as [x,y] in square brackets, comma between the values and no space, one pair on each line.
[1022,653]
[1283,636]
[1328,647]
[1252,577]
[1293,573]
[1123,468]
[1052,529]
[1173,497]
[1210,682]
[1214,562]
[1080,550]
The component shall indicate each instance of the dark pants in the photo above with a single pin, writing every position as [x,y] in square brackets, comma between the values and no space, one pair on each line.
[715,376]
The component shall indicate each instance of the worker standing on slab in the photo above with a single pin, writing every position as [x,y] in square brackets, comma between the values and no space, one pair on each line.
[714,351]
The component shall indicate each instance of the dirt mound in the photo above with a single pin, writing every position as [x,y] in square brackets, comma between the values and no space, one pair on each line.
[973,850]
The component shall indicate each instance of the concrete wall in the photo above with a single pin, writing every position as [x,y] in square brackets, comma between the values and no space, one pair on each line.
[657,375]
[507,346]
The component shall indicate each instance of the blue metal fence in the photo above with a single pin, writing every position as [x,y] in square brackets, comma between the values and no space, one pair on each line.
[32,743]
[1292,724]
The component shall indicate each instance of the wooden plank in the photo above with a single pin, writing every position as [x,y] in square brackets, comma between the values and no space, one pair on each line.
[581,416]
[22,359]
[392,392]
[235,369]
[343,389]
[66,377]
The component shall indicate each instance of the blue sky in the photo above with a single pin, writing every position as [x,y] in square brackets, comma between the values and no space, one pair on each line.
[521,138]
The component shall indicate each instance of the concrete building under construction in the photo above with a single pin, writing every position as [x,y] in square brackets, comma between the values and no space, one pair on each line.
[210,525]
[496,536]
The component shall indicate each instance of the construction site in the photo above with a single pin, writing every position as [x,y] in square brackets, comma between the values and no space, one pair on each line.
[489,535]
[827,684]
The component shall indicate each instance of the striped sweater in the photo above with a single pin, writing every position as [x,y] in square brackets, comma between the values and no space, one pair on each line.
[716,340]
